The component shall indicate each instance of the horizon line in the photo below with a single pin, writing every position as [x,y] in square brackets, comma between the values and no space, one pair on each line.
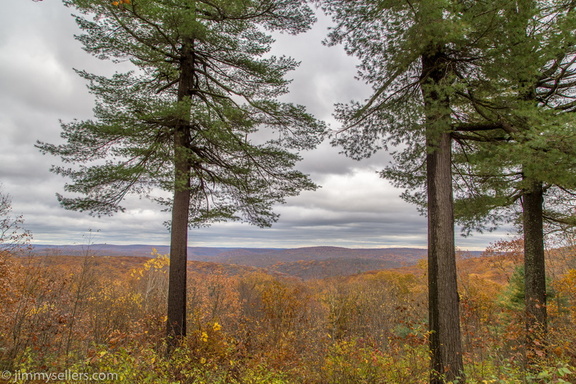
[247,247]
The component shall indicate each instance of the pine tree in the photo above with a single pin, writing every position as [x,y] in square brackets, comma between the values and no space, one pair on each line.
[527,89]
[415,55]
[187,119]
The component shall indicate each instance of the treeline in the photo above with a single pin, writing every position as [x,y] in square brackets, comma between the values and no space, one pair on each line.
[95,314]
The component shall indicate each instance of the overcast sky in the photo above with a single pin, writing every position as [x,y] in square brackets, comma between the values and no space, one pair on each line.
[353,207]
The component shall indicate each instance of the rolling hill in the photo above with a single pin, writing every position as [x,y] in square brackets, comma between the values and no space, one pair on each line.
[304,263]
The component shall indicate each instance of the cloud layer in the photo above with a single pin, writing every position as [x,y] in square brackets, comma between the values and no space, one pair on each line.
[38,87]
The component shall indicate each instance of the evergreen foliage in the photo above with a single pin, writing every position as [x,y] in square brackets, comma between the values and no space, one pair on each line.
[128,147]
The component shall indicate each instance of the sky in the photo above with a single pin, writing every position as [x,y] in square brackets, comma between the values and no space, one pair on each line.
[38,87]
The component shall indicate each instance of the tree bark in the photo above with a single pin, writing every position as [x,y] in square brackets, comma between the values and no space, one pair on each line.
[176,318]
[444,312]
[534,273]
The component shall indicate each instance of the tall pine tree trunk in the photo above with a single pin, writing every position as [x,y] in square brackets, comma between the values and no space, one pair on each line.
[176,322]
[534,272]
[444,312]
[176,319]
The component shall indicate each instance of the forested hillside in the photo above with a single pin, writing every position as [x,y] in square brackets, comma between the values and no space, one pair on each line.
[249,325]
[306,263]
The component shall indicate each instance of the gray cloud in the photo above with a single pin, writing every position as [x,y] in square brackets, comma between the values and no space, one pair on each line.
[325,75]
[38,86]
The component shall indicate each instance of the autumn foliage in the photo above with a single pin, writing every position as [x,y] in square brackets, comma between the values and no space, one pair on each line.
[107,314]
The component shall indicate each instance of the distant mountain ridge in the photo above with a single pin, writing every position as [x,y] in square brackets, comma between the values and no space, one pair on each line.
[305,263]
[129,250]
